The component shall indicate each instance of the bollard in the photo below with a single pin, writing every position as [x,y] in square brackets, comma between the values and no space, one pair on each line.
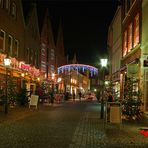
[102,109]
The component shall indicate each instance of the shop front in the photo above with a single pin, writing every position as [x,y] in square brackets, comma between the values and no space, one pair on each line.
[19,73]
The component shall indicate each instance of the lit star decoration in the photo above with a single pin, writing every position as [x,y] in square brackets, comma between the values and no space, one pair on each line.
[78,68]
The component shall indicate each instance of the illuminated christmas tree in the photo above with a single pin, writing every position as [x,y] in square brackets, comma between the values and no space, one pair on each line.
[132,99]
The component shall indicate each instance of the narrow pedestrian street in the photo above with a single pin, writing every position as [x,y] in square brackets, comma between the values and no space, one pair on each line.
[66,125]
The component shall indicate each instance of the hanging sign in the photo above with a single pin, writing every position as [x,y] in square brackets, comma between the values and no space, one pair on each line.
[145,63]
[132,70]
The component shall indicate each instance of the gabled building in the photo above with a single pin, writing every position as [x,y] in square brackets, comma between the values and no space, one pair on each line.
[32,37]
[32,45]
[47,52]
[60,50]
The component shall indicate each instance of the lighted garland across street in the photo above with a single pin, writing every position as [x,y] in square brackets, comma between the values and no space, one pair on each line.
[78,68]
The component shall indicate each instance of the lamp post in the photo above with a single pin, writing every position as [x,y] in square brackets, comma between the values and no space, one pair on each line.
[7,63]
[103,64]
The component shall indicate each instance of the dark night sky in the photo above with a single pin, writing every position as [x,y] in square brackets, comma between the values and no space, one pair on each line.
[85,25]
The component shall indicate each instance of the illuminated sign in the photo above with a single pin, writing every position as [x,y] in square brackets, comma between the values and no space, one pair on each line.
[24,66]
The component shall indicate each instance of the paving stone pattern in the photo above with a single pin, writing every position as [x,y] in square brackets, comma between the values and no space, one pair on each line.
[92,132]
[67,125]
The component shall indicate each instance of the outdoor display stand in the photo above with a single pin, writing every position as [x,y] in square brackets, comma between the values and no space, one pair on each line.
[113,112]
[34,101]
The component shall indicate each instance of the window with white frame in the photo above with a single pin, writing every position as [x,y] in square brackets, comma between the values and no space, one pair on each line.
[52,68]
[2,3]
[125,7]
[2,39]
[13,12]
[16,48]
[35,59]
[52,54]
[8,5]
[27,55]
[10,44]
[31,56]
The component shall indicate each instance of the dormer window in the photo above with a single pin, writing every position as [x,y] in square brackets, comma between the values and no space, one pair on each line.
[13,12]
[52,54]
[16,48]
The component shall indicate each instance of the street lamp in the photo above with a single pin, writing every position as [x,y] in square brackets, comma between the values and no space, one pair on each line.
[103,64]
[7,62]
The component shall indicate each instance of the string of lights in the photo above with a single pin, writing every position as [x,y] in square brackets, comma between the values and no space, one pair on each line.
[78,68]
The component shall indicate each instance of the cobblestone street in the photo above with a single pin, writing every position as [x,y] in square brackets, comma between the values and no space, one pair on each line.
[67,125]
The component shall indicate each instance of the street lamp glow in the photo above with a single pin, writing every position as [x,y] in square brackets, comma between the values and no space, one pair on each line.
[59,80]
[103,62]
[7,62]
[106,82]
[22,74]
[38,79]
[53,75]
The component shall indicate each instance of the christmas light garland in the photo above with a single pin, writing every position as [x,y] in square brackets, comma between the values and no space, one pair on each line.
[78,68]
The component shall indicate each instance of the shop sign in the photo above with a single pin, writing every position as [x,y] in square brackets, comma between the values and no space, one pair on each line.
[132,70]
[145,63]
[24,66]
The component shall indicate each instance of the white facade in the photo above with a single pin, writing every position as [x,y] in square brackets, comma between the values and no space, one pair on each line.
[116,41]
[115,45]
